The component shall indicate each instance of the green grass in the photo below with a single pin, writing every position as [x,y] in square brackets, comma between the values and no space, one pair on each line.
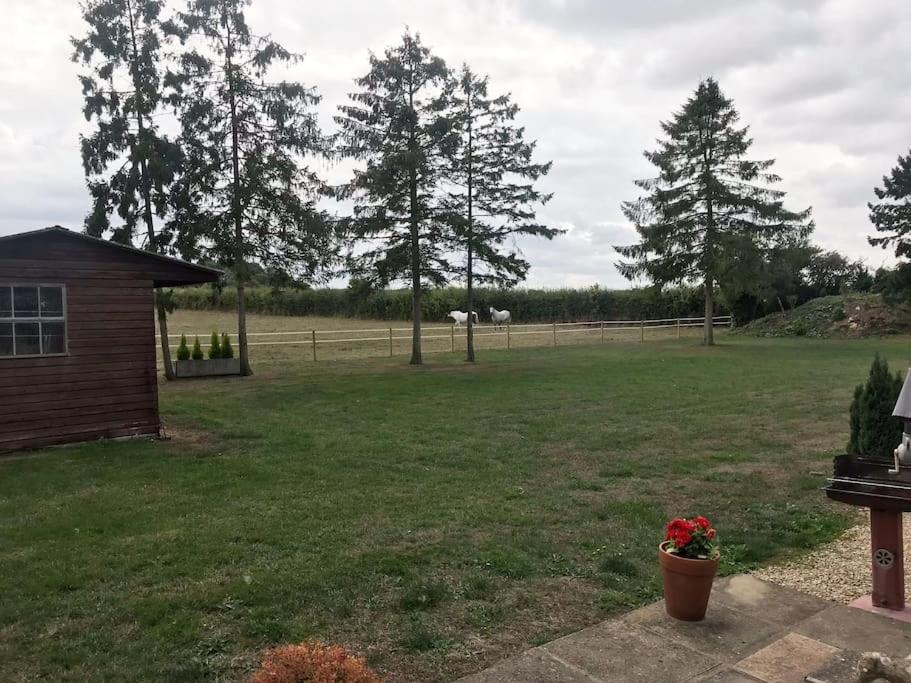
[433,519]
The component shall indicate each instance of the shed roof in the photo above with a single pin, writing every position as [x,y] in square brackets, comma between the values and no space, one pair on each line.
[165,271]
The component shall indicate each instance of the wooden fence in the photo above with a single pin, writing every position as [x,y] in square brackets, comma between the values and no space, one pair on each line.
[389,340]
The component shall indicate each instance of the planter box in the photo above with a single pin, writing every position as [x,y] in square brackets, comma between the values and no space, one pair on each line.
[213,367]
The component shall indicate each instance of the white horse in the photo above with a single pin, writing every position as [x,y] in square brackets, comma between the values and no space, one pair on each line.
[500,318]
[461,317]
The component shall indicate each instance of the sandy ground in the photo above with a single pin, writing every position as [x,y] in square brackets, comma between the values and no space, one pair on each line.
[838,571]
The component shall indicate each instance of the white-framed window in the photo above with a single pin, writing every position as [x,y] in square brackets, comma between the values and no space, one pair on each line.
[32,320]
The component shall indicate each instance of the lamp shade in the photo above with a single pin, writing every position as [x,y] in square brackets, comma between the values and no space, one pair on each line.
[903,404]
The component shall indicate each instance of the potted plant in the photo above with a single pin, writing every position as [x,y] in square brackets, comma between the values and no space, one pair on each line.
[193,363]
[689,561]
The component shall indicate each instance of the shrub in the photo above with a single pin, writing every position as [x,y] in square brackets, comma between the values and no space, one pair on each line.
[874,432]
[214,346]
[227,351]
[313,663]
[197,353]
[183,351]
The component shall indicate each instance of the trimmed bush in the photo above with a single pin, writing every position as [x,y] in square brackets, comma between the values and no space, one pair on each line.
[227,351]
[214,347]
[313,662]
[183,351]
[197,353]
[874,432]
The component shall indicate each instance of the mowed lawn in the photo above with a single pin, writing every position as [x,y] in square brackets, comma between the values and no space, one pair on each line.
[432,519]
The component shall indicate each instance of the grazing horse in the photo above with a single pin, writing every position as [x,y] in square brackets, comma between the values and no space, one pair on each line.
[500,318]
[461,317]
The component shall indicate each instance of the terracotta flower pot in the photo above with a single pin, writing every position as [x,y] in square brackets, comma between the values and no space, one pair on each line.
[687,584]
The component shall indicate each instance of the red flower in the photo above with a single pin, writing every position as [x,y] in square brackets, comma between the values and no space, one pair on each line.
[710,534]
[702,522]
[682,539]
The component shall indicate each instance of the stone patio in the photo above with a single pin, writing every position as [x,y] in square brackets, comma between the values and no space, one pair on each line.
[754,631]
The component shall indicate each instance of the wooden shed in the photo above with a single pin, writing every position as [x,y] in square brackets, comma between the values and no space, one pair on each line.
[77,337]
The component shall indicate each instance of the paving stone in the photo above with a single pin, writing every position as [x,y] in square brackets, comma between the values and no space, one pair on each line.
[853,629]
[726,675]
[841,669]
[725,634]
[788,659]
[532,666]
[768,601]
[616,651]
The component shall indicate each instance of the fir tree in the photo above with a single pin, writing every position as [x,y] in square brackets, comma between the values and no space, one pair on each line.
[891,216]
[227,351]
[214,347]
[183,350]
[874,432]
[491,194]
[129,164]
[396,123]
[248,196]
[710,210]
[197,353]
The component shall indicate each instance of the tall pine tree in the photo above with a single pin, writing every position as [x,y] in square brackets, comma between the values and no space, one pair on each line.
[248,195]
[709,207]
[891,215]
[397,125]
[491,194]
[129,164]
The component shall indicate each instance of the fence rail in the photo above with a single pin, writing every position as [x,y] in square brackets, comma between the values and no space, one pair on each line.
[505,333]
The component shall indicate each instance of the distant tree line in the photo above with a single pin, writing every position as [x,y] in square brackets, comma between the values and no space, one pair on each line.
[445,181]
[360,300]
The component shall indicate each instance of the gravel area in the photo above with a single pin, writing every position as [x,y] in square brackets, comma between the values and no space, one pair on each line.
[837,571]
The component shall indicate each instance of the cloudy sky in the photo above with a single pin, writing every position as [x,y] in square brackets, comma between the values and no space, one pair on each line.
[824,85]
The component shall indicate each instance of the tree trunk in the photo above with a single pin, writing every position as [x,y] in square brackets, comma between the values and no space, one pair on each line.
[148,215]
[417,357]
[708,336]
[469,274]
[240,269]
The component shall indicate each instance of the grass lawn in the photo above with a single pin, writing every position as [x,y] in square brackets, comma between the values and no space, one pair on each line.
[433,519]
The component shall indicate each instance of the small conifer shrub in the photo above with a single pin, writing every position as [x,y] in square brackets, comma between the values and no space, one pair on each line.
[874,432]
[197,353]
[227,351]
[183,351]
[214,347]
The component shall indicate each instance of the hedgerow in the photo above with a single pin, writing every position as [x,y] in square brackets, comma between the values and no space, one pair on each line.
[526,305]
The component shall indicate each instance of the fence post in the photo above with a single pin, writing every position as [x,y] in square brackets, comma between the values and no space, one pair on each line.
[313,336]
[642,330]
[390,342]
[508,344]
[555,334]
[452,338]
[678,328]
[602,331]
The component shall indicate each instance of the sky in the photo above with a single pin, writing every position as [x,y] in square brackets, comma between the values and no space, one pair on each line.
[825,87]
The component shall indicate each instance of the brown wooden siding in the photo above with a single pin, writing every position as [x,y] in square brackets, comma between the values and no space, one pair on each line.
[106,386]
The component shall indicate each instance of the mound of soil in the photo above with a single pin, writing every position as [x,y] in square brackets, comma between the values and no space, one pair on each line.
[850,315]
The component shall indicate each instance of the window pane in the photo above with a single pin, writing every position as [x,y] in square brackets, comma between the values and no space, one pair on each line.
[25,302]
[6,339]
[51,302]
[52,337]
[6,302]
[28,343]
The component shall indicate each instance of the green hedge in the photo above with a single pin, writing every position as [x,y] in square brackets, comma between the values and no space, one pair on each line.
[526,305]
